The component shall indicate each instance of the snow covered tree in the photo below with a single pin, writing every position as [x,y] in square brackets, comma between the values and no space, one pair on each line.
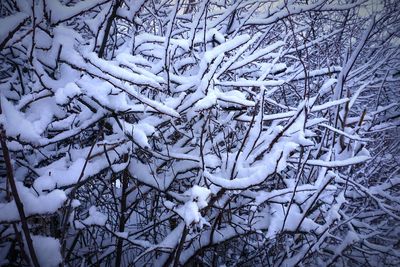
[184,133]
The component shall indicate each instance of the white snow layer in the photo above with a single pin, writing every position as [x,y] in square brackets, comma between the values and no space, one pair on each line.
[47,250]
[33,204]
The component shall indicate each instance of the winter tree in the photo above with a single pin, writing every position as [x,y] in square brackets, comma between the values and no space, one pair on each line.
[199,133]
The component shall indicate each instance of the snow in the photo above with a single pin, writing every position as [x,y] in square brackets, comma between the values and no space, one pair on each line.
[47,250]
[258,54]
[64,94]
[225,47]
[355,96]
[250,83]
[141,172]
[199,195]
[284,12]
[16,124]
[212,161]
[9,23]
[75,203]
[139,132]
[316,108]
[350,136]
[190,211]
[95,218]
[327,86]
[207,102]
[133,7]
[122,234]
[232,97]
[122,74]
[131,62]
[60,12]
[41,113]
[257,174]
[143,40]
[339,163]
[66,173]
[235,57]
[97,22]
[33,204]
[206,113]
[67,38]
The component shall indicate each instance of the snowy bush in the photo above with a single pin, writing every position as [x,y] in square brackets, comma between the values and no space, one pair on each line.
[169,133]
